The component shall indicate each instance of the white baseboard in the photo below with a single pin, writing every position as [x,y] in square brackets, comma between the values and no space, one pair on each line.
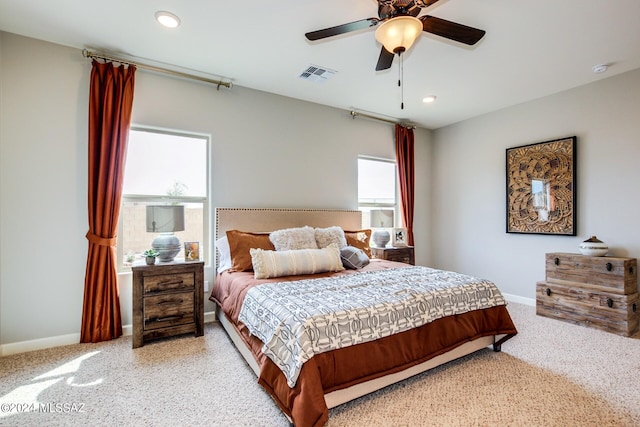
[60,340]
[39,344]
[520,300]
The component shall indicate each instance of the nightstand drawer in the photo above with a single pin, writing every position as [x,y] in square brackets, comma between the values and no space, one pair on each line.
[162,283]
[399,254]
[161,311]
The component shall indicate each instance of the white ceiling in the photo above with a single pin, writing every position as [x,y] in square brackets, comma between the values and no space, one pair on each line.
[531,48]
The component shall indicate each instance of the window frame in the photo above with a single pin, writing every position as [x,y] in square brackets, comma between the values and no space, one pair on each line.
[367,206]
[142,198]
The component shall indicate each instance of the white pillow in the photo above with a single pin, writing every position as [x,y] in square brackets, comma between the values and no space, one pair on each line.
[224,254]
[329,235]
[290,239]
[267,264]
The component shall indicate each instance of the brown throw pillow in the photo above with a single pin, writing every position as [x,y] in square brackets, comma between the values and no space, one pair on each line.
[239,244]
[360,239]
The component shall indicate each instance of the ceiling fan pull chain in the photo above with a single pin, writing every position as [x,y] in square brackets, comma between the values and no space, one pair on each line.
[400,77]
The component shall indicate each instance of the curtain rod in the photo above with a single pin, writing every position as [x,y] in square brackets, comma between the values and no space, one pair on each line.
[88,54]
[355,114]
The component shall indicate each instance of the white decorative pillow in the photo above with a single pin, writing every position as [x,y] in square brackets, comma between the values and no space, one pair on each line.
[290,239]
[329,235]
[267,264]
[224,254]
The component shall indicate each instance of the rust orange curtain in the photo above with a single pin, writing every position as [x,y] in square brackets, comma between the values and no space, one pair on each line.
[406,176]
[110,105]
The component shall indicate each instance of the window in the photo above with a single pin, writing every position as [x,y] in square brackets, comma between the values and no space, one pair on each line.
[163,168]
[377,181]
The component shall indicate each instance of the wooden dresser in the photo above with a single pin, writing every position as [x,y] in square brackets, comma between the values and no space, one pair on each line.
[600,292]
[168,300]
[401,254]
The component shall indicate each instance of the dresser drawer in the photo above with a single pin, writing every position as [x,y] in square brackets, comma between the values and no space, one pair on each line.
[165,282]
[607,311]
[610,274]
[165,310]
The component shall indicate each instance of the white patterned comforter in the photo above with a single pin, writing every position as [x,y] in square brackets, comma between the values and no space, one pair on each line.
[296,320]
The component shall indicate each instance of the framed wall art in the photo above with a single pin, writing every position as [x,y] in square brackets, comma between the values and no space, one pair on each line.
[541,188]
[399,237]
[191,251]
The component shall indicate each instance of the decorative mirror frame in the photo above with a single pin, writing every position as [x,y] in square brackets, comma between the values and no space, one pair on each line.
[541,188]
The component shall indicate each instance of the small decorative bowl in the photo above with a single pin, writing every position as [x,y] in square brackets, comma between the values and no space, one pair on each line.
[593,247]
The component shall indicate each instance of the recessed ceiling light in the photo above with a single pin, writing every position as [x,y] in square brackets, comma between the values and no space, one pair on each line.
[429,99]
[167,19]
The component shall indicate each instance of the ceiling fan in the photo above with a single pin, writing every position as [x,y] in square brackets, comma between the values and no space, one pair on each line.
[399,26]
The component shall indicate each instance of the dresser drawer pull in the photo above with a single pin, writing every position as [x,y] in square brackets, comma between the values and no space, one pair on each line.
[634,307]
[609,266]
[630,270]
[609,302]
[548,292]
[556,261]
[172,301]
[164,319]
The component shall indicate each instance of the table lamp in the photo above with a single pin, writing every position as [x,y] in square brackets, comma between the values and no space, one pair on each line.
[165,219]
[381,218]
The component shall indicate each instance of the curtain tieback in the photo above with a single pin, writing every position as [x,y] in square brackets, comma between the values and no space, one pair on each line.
[102,241]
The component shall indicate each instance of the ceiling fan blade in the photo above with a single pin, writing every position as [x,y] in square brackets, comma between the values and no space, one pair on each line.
[341,29]
[384,60]
[451,30]
[425,3]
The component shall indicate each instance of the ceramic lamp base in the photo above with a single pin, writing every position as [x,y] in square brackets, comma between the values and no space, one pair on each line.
[167,245]
[381,238]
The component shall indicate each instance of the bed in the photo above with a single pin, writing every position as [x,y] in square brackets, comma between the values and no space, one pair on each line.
[330,378]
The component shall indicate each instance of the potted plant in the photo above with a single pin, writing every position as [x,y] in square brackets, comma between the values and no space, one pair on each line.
[150,256]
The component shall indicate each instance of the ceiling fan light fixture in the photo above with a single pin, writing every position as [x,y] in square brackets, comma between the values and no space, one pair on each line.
[167,19]
[399,33]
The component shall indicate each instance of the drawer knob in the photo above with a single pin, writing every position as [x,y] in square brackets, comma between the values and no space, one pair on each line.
[609,266]
[609,302]
[630,270]
[556,261]
[634,307]
[548,292]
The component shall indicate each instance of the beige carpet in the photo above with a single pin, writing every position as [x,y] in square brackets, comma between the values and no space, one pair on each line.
[551,374]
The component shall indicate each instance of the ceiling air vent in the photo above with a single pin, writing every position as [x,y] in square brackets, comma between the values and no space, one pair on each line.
[317,74]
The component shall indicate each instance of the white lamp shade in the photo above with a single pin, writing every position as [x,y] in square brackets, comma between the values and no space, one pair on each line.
[165,218]
[382,218]
[398,34]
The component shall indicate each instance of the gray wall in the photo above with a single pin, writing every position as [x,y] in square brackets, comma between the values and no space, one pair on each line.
[469,200]
[267,151]
[272,151]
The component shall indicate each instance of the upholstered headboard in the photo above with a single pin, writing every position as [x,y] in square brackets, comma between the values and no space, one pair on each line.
[270,219]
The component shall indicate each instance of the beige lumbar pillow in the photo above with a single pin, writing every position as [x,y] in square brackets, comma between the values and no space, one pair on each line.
[267,264]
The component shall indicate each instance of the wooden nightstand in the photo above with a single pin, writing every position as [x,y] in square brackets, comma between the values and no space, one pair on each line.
[168,300]
[401,254]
